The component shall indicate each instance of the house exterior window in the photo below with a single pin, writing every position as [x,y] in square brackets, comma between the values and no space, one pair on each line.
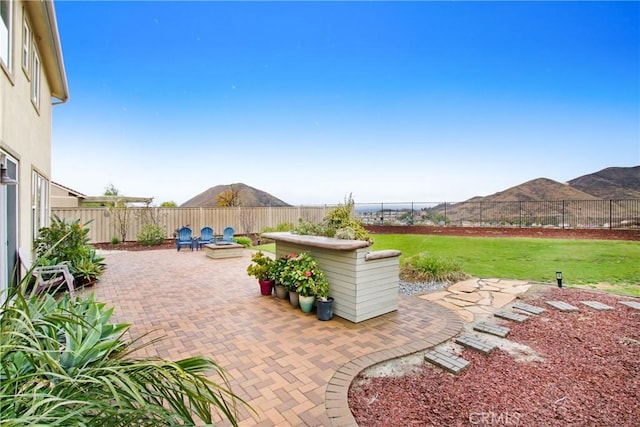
[35,78]
[5,32]
[39,202]
[26,43]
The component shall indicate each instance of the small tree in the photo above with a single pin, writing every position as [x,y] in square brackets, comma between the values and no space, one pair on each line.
[228,198]
[170,204]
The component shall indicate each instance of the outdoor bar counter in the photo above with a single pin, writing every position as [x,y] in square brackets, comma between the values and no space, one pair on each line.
[364,284]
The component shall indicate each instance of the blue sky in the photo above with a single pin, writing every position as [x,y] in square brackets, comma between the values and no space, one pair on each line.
[312,101]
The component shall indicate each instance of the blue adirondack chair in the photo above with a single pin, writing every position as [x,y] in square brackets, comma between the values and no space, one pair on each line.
[184,238]
[206,236]
[227,236]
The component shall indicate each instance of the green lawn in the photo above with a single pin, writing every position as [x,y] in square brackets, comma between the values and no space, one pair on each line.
[604,264]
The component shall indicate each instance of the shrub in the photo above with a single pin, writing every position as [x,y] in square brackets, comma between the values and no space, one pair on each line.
[283,226]
[115,240]
[67,242]
[338,223]
[151,235]
[424,267]
[243,240]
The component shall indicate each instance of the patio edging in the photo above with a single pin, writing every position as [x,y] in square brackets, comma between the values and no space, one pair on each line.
[336,394]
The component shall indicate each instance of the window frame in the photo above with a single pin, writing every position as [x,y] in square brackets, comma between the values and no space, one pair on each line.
[39,202]
[7,50]
[26,46]
[36,71]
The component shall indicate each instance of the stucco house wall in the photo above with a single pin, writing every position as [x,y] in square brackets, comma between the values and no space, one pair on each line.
[25,127]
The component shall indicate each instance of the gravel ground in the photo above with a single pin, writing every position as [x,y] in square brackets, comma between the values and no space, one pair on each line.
[588,374]
[411,288]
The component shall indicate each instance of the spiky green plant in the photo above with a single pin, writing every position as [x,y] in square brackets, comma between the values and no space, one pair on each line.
[62,362]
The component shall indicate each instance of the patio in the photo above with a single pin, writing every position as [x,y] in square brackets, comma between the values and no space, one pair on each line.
[292,368]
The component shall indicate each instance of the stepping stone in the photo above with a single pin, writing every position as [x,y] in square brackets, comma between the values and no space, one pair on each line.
[475,344]
[509,315]
[631,304]
[528,308]
[493,329]
[597,305]
[562,306]
[445,360]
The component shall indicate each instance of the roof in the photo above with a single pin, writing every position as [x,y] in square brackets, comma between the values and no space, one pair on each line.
[69,190]
[43,19]
[111,199]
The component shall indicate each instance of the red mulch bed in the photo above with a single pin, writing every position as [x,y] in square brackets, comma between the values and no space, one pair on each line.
[590,375]
[135,246]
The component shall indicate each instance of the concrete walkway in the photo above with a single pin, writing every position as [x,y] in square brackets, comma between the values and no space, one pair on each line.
[292,368]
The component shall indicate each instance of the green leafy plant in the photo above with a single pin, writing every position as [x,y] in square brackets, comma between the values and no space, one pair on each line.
[262,267]
[301,274]
[68,242]
[151,235]
[338,223]
[426,267]
[65,363]
[243,240]
[115,240]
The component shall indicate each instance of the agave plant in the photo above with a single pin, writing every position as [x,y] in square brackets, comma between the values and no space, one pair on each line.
[62,362]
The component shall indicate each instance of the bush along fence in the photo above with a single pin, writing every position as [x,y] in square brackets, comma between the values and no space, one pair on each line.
[601,214]
[124,223]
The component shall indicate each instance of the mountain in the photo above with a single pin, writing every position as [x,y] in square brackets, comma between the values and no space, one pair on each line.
[247,196]
[538,189]
[610,183]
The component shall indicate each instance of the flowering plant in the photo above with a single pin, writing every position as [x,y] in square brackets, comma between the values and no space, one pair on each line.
[262,267]
[302,274]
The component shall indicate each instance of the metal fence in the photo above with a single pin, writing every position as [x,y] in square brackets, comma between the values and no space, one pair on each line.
[599,214]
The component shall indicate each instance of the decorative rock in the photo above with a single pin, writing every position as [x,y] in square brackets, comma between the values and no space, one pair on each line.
[501,299]
[562,306]
[464,286]
[445,360]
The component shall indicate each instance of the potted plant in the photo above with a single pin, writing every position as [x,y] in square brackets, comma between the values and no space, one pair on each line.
[278,265]
[324,302]
[302,275]
[262,268]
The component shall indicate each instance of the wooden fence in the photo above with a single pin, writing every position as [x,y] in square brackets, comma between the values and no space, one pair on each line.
[105,223]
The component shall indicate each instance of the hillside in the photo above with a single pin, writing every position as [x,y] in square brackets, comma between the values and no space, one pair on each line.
[610,183]
[247,196]
[538,189]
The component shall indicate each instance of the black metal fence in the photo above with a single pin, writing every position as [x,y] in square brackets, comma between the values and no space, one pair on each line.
[601,214]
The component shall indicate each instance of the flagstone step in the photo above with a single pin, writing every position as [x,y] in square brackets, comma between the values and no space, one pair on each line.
[632,304]
[475,344]
[529,308]
[509,315]
[446,360]
[562,306]
[493,329]
[597,305]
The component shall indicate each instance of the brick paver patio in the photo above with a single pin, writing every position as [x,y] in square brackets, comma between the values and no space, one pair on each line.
[292,368]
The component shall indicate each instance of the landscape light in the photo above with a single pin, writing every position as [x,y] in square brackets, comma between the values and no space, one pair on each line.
[559,278]
[4,176]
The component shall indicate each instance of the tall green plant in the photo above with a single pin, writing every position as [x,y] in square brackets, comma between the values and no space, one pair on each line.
[68,242]
[64,363]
